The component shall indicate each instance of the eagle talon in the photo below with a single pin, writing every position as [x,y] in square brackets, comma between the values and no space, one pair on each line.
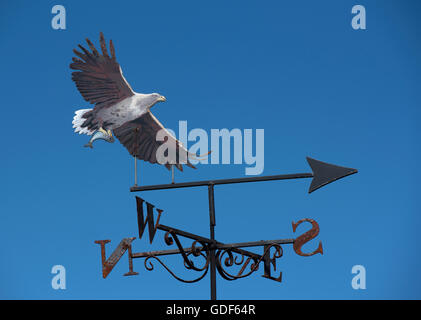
[108,132]
[101,134]
[101,129]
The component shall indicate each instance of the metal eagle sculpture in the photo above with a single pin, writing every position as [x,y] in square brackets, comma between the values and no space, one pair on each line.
[118,108]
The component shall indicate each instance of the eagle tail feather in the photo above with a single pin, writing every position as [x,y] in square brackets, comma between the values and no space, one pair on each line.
[78,121]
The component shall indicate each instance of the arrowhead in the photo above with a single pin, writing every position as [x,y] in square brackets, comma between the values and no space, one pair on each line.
[325,173]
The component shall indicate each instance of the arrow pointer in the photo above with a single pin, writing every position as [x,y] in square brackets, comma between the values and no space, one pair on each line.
[325,173]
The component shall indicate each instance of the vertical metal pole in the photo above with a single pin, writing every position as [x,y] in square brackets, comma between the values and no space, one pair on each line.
[135,171]
[212,224]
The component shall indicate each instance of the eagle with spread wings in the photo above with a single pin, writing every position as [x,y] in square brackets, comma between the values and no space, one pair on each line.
[118,109]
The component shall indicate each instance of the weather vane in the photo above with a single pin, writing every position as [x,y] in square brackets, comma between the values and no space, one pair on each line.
[120,110]
[215,255]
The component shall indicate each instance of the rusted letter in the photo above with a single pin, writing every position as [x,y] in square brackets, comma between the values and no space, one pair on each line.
[306,237]
[108,264]
[149,218]
[267,261]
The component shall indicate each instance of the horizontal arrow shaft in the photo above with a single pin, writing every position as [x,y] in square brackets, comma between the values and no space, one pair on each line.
[220,181]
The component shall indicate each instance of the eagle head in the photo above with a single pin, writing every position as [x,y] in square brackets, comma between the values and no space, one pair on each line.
[155,98]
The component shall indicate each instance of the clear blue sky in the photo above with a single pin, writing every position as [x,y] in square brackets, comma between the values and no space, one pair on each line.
[294,68]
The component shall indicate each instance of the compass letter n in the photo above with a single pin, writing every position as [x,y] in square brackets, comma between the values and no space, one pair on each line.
[109,264]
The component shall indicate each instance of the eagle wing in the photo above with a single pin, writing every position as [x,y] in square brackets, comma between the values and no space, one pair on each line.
[139,138]
[99,80]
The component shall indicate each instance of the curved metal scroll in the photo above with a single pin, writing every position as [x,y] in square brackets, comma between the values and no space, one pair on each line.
[171,237]
[230,261]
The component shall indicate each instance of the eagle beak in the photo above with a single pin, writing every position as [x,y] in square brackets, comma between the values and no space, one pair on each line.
[162,98]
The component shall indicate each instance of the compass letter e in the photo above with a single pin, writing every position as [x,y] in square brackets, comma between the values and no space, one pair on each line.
[306,237]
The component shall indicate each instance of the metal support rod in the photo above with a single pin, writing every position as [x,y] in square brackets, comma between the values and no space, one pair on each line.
[135,171]
[161,252]
[189,249]
[254,243]
[212,224]
[186,234]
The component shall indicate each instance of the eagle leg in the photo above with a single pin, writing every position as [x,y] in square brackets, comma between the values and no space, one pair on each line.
[101,128]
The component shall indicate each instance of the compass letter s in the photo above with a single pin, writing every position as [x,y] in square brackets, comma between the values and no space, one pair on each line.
[306,237]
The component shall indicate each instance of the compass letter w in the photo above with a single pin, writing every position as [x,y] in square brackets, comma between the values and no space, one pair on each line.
[149,218]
